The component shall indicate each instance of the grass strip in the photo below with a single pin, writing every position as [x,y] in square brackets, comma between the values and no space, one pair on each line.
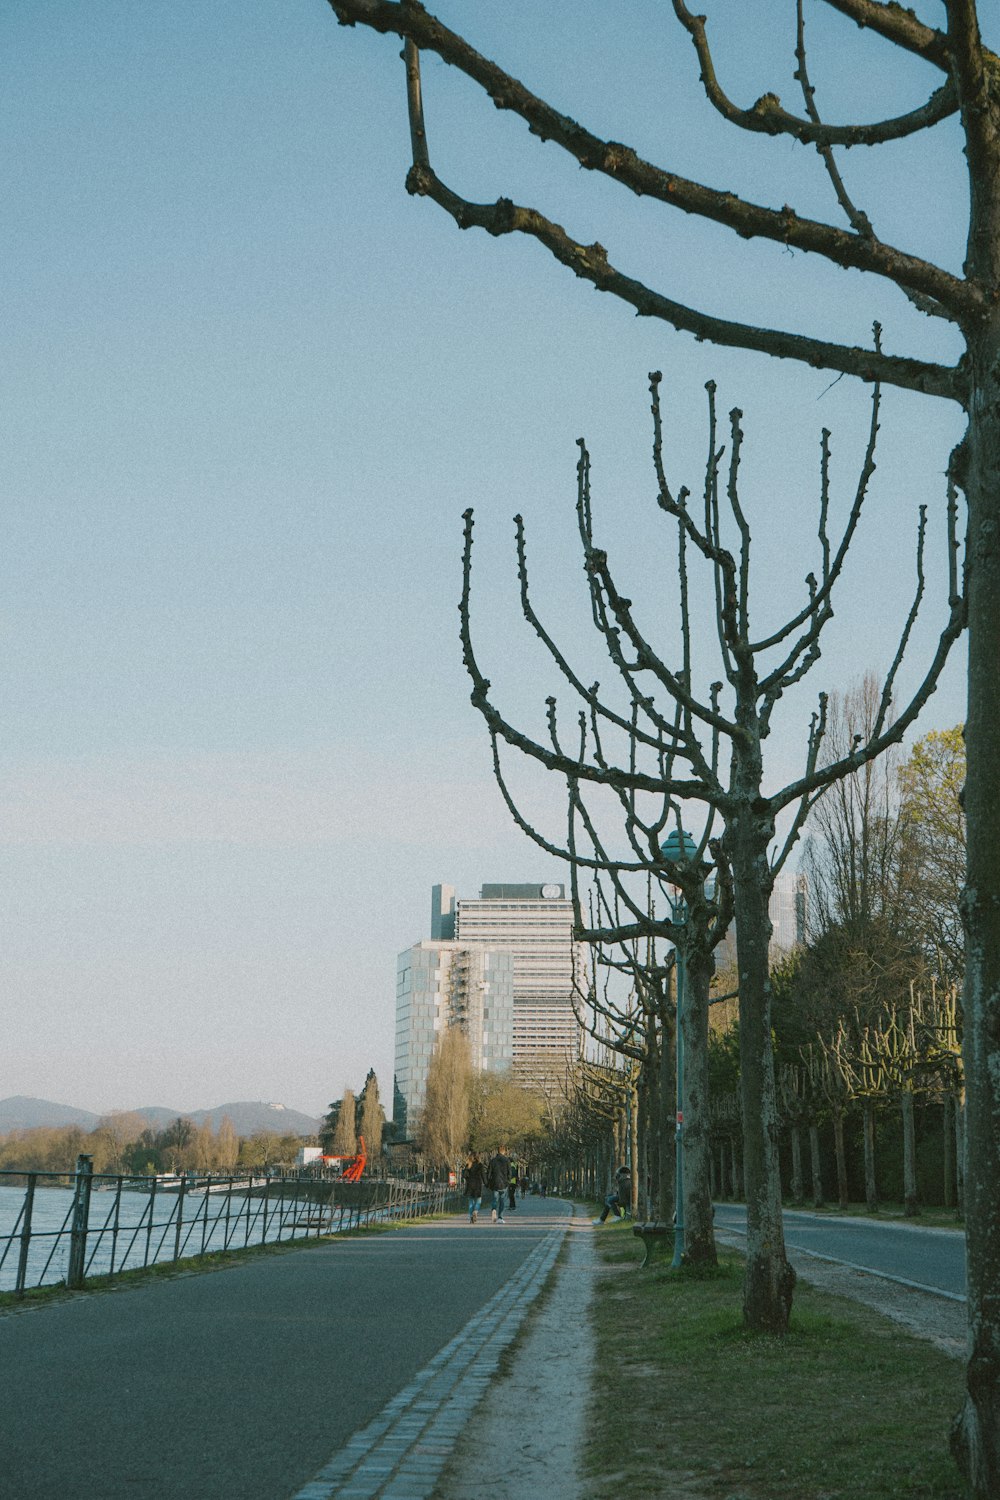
[847,1406]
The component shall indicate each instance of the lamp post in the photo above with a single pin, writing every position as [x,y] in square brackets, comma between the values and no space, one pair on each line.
[679,846]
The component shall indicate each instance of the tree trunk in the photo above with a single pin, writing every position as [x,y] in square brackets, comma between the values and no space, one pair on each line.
[840,1154]
[770,1279]
[960,1154]
[976,1434]
[633,1153]
[665,1109]
[699,1235]
[871,1186]
[798,1189]
[911,1204]
[815,1165]
[948,1140]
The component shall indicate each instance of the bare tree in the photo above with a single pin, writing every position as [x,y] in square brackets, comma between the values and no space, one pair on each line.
[653,1024]
[345,1133]
[965,89]
[659,746]
[444,1121]
[853,854]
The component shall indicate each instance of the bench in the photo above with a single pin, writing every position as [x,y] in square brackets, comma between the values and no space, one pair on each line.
[658,1240]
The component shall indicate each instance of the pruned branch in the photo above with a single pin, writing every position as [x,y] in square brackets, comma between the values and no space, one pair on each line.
[412,21]
[767,117]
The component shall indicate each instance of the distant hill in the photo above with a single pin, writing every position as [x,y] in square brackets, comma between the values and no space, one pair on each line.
[22,1113]
[250,1117]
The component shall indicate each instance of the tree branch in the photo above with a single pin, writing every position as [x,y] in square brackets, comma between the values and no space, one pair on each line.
[590,263]
[898,25]
[767,117]
[624,165]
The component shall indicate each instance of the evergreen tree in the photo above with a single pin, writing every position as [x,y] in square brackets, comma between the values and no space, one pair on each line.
[372,1116]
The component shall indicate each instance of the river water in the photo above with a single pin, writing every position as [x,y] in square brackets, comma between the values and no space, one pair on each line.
[123,1234]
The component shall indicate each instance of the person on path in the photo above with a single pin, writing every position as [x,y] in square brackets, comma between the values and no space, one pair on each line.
[475,1181]
[621,1195]
[497,1179]
[512,1186]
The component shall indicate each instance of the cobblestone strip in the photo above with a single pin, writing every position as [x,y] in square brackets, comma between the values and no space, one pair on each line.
[400,1454]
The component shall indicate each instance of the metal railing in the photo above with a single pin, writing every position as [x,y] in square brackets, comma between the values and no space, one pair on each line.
[69,1228]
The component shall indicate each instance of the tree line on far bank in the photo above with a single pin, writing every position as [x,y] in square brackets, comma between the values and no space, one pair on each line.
[126,1143]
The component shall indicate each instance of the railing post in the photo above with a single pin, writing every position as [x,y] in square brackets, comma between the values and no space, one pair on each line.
[180,1217]
[149,1226]
[22,1260]
[81,1214]
[114,1230]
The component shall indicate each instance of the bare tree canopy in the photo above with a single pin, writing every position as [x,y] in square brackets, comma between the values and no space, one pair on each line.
[961,95]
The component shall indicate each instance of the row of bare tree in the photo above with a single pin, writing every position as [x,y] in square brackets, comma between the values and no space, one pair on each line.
[671,734]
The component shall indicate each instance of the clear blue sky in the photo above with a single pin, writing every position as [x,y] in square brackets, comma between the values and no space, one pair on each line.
[249,386]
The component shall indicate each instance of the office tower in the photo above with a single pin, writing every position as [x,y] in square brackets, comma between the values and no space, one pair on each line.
[442,983]
[501,967]
[534,923]
[788,911]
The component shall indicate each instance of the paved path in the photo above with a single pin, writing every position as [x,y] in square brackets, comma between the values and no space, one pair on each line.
[339,1369]
[930,1259]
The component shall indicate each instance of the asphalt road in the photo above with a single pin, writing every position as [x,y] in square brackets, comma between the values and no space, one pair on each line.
[239,1384]
[930,1258]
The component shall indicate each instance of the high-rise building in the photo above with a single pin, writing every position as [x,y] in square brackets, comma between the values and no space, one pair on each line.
[787,909]
[441,983]
[535,924]
[502,968]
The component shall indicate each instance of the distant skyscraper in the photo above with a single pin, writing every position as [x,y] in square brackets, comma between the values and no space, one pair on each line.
[535,924]
[788,910]
[501,967]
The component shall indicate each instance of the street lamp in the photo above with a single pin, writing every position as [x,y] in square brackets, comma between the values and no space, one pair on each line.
[680,846]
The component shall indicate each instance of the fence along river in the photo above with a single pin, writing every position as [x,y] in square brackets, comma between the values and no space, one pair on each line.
[100,1225]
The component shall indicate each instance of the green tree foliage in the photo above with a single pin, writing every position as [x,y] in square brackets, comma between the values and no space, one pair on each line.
[934,840]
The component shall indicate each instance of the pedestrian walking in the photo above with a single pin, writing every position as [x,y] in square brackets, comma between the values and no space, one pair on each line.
[475,1181]
[497,1180]
[512,1186]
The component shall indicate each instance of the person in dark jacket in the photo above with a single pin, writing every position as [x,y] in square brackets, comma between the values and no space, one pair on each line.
[475,1181]
[617,1201]
[497,1178]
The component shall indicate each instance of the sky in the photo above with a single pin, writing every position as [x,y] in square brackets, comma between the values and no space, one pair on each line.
[249,388]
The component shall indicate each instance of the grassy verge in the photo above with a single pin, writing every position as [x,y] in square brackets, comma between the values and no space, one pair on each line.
[928,1218]
[846,1407]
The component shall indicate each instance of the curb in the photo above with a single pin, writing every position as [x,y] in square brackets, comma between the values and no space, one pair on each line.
[400,1454]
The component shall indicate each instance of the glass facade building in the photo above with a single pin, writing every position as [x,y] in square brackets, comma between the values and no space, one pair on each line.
[442,983]
[502,968]
[534,923]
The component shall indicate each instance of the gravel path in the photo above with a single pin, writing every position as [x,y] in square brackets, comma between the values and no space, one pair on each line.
[937,1319]
[541,1399]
